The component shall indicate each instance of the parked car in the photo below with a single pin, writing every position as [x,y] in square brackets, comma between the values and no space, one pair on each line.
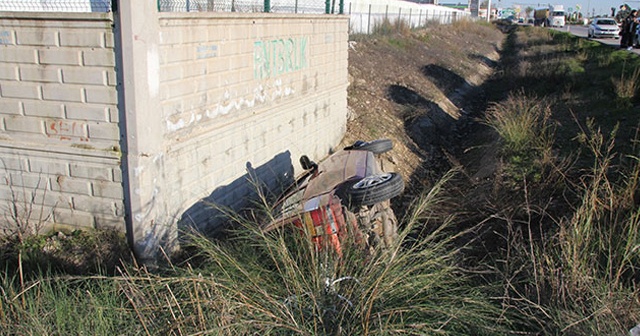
[603,27]
[346,194]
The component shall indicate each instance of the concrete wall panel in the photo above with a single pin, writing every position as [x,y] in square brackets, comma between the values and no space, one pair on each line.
[54,115]
[210,105]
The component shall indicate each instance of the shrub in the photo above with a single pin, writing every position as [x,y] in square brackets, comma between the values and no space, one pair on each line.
[626,86]
[526,132]
[284,284]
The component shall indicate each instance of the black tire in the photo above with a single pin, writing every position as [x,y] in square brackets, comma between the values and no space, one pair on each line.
[376,146]
[371,189]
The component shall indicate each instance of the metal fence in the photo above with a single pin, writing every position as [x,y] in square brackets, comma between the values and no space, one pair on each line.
[56,5]
[243,6]
[363,15]
[363,18]
[250,6]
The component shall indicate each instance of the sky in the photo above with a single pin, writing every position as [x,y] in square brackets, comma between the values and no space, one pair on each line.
[597,7]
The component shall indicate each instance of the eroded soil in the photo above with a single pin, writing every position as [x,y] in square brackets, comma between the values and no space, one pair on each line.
[424,90]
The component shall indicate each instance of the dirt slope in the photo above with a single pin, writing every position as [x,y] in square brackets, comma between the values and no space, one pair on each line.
[420,89]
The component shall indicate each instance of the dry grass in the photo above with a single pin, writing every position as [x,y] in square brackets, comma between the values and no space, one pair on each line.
[568,250]
[547,248]
[626,85]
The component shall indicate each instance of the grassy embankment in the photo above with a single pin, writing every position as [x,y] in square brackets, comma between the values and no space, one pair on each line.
[555,245]
[567,205]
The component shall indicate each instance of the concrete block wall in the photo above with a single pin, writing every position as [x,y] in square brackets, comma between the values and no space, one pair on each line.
[243,96]
[59,123]
[200,103]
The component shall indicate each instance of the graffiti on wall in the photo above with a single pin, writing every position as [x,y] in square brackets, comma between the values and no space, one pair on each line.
[208,51]
[5,37]
[235,101]
[276,57]
[271,59]
[66,130]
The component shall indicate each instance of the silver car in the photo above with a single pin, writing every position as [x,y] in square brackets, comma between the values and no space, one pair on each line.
[603,27]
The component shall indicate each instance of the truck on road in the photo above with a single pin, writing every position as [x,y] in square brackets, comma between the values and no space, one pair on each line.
[551,16]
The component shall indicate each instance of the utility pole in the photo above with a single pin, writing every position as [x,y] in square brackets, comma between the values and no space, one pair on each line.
[489,11]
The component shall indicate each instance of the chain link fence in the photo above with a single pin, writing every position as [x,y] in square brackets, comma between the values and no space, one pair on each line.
[363,16]
[242,6]
[82,6]
[249,6]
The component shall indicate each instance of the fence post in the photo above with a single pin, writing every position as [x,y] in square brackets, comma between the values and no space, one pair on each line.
[341,10]
[410,19]
[327,6]
[369,21]
[137,44]
[351,22]
[267,6]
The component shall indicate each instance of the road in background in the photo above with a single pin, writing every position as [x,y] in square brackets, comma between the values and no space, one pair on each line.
[581,31]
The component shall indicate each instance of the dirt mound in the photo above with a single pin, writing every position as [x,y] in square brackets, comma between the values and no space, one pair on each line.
[420,89]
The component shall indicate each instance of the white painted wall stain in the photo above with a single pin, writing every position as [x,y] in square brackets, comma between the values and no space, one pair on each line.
[226,104]
[153,71]
[145,211]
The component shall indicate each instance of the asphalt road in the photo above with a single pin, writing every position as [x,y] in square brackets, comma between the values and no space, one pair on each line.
[582,32]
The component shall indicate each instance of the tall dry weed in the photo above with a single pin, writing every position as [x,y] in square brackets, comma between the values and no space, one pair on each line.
[626,85]
[581,277]
[529,171]
[25,213]
[387,27]
[524,125]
